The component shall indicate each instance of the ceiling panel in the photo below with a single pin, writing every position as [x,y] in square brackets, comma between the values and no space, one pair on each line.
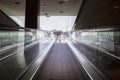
[68,8]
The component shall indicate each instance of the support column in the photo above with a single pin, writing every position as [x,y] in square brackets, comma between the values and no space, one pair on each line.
[32,14]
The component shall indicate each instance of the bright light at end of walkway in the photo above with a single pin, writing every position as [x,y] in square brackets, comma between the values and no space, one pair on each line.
[61,23]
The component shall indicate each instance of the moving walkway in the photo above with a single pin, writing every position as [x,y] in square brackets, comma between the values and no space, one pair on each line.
[56,58]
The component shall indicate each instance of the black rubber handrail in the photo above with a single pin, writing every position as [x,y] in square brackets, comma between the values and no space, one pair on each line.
[105,28]
[104,52]
[30,71]
[96,74]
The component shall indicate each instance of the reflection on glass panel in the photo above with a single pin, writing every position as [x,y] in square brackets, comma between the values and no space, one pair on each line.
[10,37]
[102,48]
[19,48]
[100,38]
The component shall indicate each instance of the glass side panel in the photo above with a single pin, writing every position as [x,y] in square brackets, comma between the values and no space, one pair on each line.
[18,49]
[102,48]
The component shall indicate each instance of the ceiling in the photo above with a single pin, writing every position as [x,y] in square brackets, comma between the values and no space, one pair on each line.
[11,8]
[98,14]
[68,8]
[92,13]
[49,7]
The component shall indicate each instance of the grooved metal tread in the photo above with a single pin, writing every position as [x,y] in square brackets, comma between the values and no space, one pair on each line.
[60,65]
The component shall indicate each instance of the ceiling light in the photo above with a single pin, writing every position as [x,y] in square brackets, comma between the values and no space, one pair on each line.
[43,10]
[61,11]
[45,6]
[46,14]
[66,0]
[16,2]
[116,7]
[61,2]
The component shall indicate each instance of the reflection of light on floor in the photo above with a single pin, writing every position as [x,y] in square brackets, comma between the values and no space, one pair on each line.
[20,58]
[71,40]
[63,40]
[60,40]
[45,41]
